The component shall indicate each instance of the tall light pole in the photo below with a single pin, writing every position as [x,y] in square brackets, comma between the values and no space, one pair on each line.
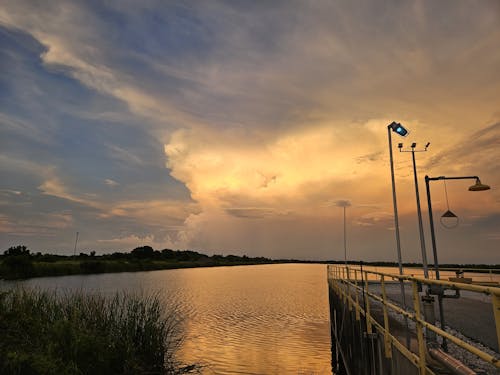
[76,241]
[402,131]
[478,186]
[419,211]
[344,204]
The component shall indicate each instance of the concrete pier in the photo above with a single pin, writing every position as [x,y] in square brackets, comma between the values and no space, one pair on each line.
[373,334]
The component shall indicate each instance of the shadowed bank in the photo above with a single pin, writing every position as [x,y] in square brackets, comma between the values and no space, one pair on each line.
[76,333]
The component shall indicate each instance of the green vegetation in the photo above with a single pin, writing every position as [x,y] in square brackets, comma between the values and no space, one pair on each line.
[18,263]
[46,333]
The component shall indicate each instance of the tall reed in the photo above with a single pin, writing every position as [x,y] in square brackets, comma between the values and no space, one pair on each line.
[48,333]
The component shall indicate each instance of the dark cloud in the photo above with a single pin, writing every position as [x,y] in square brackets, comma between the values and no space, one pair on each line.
[250,213]
[369,157]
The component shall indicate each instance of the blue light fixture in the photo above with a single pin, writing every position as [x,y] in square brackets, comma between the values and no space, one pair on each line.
[399,129]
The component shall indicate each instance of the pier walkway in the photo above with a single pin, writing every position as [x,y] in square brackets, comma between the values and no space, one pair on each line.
[376,331]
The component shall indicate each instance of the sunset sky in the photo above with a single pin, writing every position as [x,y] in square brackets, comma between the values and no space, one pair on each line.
[236,127]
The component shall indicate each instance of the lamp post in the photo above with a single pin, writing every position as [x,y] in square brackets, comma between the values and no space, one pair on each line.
[478,186]
[398,129]
[419,211]
[344,204]
[402,131]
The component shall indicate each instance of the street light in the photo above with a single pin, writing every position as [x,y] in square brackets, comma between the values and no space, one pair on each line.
[419,211]
[402,131]
[478,186]
[344,204]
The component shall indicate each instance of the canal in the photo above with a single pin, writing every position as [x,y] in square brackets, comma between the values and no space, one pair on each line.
[264,319]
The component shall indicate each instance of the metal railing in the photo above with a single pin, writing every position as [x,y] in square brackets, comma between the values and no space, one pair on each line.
[355,288]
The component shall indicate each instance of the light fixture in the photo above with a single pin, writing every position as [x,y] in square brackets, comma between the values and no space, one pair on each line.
[413,145]
[449,220]
[478,186]
[398,128]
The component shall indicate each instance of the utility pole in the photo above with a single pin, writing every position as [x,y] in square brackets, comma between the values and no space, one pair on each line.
[76,241]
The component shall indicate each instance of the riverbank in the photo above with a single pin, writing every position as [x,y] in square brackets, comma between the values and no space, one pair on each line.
[76,333]
[19,263]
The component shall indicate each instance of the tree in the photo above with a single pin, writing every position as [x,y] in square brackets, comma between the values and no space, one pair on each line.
[143,252]
[17,250]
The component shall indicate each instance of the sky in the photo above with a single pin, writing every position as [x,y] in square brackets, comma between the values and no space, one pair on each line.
[243,127]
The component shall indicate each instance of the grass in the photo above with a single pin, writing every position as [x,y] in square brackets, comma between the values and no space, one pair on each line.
[77,333]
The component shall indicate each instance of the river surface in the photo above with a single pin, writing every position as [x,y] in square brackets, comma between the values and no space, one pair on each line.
[264,319]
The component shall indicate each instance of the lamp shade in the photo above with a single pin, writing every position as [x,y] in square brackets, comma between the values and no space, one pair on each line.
[478,186]
[448,214]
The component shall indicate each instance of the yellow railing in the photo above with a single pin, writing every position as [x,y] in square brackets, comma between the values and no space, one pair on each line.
[351,284]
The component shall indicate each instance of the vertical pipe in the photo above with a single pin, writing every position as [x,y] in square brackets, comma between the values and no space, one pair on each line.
[496,311]
[367,306]
[349,304]
[358,315]
[420,331]
[370,338]
[420,225]
[345,241]
[387,338]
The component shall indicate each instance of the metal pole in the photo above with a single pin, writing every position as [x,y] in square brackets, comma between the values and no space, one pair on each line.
[76,240]
[420,225]
[395,204]
[396,225]
[345,241]
[436,263]
[431,223]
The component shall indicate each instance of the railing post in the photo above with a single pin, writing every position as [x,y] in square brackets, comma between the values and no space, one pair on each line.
[349,304]
[420,330]
[496,311]
[356,292]
[387,338]
[367,306]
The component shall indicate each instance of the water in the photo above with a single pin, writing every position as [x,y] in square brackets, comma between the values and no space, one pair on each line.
[265,319]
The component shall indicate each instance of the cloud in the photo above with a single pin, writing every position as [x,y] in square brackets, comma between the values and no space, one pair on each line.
[266,111]
[374,218]
[54,186]
[293,169]
[478,151]
[250,213]
[166,212]
[110,182]
[133,241]
[125,156]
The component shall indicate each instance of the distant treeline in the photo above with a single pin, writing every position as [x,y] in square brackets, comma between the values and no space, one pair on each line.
[18,262]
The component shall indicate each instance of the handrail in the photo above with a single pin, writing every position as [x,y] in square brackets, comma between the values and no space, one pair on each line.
[453,284]
[346,285]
